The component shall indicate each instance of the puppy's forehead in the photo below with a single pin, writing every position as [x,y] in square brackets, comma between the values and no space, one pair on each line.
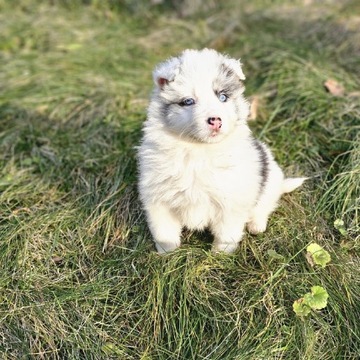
[207,71]
[201,65]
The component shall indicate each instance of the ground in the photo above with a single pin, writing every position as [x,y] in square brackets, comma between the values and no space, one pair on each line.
[79,275]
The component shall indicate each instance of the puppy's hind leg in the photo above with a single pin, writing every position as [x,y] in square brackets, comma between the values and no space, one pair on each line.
[268,203]
[165,228]
[259,217]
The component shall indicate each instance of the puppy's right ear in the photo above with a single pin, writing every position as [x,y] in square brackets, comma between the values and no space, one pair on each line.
[166,72]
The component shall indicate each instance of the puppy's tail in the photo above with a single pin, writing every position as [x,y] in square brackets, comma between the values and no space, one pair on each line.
[290,184]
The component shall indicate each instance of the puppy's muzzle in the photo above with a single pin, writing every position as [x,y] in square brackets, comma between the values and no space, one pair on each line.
[214,123]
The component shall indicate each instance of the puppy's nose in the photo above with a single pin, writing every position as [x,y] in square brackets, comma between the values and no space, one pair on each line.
[215,123]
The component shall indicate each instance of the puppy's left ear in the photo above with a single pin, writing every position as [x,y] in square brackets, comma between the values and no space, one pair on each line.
[235,65]
[166,72]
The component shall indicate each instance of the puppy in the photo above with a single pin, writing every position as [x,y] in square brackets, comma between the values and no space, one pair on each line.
[199,165]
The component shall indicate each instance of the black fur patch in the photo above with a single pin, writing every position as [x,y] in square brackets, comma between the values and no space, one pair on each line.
[264,163]
[164,110]
[227,82]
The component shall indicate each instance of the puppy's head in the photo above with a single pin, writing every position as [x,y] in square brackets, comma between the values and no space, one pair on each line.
[200,94]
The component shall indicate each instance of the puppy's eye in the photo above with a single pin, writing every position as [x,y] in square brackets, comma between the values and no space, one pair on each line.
[187,102]
[222,97]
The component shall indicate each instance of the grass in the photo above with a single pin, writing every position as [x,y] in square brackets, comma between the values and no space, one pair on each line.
[78,273]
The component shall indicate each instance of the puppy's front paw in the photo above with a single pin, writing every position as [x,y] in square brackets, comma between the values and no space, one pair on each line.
[256,227]
[166,247]
[227,248]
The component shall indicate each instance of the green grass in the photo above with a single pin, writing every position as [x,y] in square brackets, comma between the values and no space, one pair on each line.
[79,278]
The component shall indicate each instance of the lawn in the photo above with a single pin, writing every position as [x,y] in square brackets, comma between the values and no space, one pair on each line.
[79,275]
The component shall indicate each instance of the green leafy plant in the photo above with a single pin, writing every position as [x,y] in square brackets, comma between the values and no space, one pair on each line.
[314,300]
[317,298]
[274,255]
[301,308]
[317,255]
[340,226]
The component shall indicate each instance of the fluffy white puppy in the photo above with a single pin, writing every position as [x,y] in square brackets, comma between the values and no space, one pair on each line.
[199,165]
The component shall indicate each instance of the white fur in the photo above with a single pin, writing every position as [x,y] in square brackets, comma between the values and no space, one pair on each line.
[194,176]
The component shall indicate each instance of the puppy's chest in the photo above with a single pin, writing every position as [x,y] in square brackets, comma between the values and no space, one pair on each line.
[198,176]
